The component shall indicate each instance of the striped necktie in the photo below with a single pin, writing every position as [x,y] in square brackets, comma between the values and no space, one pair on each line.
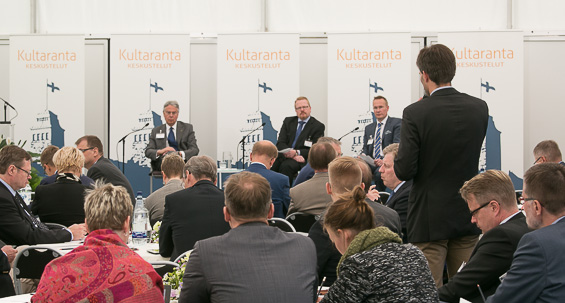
[377,148]
[22,204]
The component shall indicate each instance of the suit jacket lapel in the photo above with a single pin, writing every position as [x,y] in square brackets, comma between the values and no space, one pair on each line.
[293,125]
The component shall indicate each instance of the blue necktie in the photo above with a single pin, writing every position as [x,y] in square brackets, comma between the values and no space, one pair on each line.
[171,139]
[377,148]
[298,131]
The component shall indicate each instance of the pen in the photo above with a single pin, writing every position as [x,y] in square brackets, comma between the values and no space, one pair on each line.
[481,291]
[321,284]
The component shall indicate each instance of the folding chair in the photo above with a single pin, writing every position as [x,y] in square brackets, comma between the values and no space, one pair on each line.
[384,196]
[163,267]
[283,224]
[177,260]
[302,221]
[30,263]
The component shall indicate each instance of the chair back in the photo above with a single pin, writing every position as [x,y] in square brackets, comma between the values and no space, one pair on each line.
[163,267]
[52,226]
[302,221]
[179,258]
[30,263]
[283,224]
[384,196]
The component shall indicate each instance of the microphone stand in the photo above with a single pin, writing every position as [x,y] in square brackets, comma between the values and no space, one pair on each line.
[123,140]
[348,133]
[242,142]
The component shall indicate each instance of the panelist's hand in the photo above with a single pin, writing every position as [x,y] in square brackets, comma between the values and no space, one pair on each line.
[378,162]
[10,252]
[299,159]
[78,230]
[373,194]
[290,154]
[165,150]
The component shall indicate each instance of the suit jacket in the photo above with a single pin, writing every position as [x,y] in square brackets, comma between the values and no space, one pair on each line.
[191,214]
[6,284]
[305,174]
[184,136]
[311,196]
[251,263]
[17,228]
[155,203]
[328,256]
[51,179]
[106,170]
[440,144]
[391,134]
[61,202]
[490,259]
[399,202]
[279,188]
[536,273]
[311,131]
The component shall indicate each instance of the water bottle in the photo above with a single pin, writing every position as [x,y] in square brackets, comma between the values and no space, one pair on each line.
[25,193]
[141,227]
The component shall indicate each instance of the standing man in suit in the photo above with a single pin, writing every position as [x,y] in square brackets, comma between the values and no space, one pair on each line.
[253,262]
[378,135]
[7,255]
[536,274]
[439,150]
[547,151]
[17,225]
[492,203]
[172,169]
[297,134]
[398,200]
[194,213]
[262,156]
[100,168]
[173,136]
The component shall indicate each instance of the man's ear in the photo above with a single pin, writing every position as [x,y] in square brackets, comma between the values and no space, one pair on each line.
[227,216]
[328,188]
[271,211]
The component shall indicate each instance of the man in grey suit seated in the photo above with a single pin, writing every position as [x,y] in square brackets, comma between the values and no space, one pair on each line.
[538,266]
[253,262]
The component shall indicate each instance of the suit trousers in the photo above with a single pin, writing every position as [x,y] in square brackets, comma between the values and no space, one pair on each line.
[452,252]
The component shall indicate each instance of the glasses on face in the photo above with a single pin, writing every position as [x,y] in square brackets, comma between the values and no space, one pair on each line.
[539,158]
[523,200]
[474,212]
[85,149]
[25,171]
[301,107]
[171,113]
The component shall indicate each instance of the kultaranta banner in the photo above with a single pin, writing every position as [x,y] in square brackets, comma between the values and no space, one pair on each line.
[360,67]
[258,81]
[47,90]
[146,71]
[490,66]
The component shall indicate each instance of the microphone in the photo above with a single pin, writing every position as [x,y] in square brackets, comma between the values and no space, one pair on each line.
[243,139]
[144,126]
[7,103]
[348,133]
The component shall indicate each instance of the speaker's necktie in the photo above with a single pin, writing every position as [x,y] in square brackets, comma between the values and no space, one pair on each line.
[378,142]
[298,131]
[171,139]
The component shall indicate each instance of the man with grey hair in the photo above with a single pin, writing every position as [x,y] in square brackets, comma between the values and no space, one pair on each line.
[307,172]
[252,262]
[173,136]
[194,213]
[547,151]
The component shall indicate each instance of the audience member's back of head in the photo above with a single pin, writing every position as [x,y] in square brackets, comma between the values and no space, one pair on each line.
[248,196]
[545,182]
[344,174]
[367,174]
[69,159]
[350,211]
[548,149]
[201,167]
[438,61]
[491,185]
[172,165]
[107,207]
[320,155]
[46,156]
[265,148]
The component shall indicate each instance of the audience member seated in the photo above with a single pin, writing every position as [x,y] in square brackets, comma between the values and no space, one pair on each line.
[104,268]
[492,203]
[538,267]
[17,225]
[398,199]
[50,168]
[171,168]
[307,172]
[375,266]
[7,255]
[262,156]
[253,262]
[548,151]
[194,213]
[345,174]
[310,197]
[63,201]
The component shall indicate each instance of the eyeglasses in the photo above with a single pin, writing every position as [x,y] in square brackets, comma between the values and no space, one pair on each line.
[25,171]
[523,200]
[301,107]
[85,149]
[536,162]
[474,212]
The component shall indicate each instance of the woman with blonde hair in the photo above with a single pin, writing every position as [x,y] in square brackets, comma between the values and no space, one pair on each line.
[375,266]
[104,269]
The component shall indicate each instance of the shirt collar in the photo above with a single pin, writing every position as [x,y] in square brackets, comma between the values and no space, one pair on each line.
[509,217]
[306,120]
[441,87]
[398,186]
[259,163]
[551,223]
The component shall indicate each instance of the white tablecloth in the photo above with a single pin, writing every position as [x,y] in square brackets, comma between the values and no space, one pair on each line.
[17,299]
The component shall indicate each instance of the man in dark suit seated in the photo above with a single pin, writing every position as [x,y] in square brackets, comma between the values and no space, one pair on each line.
[173,136]
[194,213]
[100,168]
[548,151]
[7,256]
[253,262]
[17,225]
[344,174]
[538,267]
[398,200]
[492,203]
[50,169]
[297,135]
[378,135]
[262,157]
